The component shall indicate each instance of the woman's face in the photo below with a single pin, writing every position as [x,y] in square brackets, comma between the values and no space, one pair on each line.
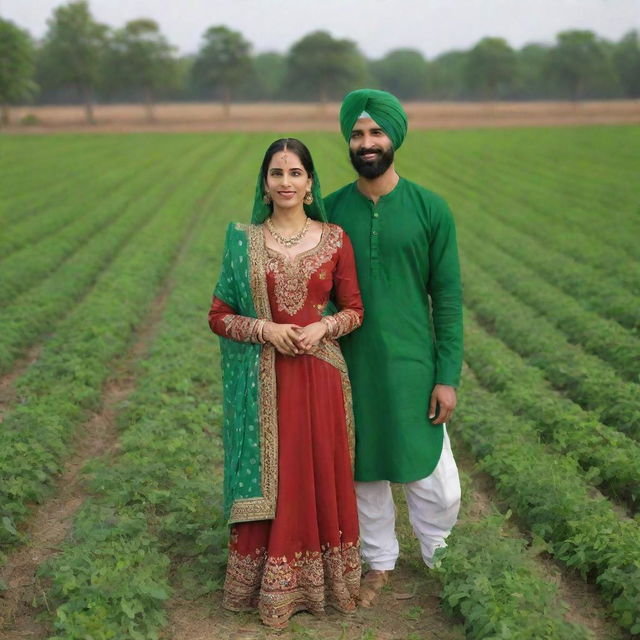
[287,180]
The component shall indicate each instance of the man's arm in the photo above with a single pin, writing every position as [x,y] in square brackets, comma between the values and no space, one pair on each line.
[445,289]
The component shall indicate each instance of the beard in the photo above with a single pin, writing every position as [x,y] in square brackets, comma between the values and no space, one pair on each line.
[371,169]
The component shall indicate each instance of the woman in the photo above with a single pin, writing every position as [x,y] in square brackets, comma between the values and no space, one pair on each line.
[288,426]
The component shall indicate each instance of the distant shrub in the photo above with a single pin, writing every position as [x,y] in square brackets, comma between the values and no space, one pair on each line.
[30,120]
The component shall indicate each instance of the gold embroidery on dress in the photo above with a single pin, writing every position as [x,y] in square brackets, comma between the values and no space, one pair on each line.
[241,328]
[292,274]
[341,323]
[329,351]
[279,587]
[346,321]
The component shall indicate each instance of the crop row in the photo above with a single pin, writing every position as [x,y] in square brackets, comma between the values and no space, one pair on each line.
[46,210]
[38,310]
[67,379]
[581,246]
[604,338]
[573,182]
[484,565]
[593,290]
[161,497]
[36,164]
[475,201]
[584,378]
[610,459]
[524,176]
[497,182]
[47,190]
[548,494]
[26,267]
[575,241]
[519,169]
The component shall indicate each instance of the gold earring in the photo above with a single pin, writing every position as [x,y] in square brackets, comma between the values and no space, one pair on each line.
[308,198]
[266,198]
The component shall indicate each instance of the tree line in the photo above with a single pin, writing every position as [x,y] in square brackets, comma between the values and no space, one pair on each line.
[80,60]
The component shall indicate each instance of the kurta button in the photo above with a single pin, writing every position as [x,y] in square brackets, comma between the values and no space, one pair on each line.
[375,233]
[376,214]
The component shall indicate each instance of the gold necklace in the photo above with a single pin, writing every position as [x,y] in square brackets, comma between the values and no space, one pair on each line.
[291,241]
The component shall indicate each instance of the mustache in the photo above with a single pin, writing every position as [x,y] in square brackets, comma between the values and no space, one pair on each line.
[364,151]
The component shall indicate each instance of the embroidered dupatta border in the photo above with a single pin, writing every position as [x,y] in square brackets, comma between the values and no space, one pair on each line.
[330,352]
[262,507]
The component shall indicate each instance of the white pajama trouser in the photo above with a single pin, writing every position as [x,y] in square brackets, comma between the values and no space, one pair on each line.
[433,504]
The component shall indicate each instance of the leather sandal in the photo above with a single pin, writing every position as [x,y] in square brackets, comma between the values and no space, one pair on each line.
[372,585]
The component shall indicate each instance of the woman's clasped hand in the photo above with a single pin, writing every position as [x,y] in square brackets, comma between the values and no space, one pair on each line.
[292,339]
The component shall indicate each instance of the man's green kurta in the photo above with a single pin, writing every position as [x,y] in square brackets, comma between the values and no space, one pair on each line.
[406,254]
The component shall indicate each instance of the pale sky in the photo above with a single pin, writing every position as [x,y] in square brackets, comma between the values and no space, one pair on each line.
[377,26]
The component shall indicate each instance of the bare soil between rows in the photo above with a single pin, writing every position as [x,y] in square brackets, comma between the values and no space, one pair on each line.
[408,607]
[288,117]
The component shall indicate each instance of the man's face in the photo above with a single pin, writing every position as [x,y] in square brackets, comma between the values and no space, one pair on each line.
[370,149]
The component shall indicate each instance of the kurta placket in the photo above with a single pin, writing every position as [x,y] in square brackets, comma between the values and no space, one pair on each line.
[375,239]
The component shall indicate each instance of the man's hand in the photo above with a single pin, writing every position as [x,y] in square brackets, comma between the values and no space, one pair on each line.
[284,337]
[443,397]
[310,335]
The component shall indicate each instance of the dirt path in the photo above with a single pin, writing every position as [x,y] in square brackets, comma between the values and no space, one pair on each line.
[408,607]
[52,521]
[185,117]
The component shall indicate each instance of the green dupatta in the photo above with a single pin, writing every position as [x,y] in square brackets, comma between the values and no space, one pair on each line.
[248,372]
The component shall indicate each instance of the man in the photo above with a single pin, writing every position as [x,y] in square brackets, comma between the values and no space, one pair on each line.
[405,360]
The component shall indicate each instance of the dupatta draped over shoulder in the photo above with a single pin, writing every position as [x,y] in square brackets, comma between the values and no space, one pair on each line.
[250,410]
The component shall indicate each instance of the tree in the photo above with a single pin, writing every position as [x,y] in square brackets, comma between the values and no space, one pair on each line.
[72,50]
[269,72]
[183,90]
[626,57]
[403,72]
[491,68]
[320,66]
[447,76]
[16,66]
[223,62]
[531,77]
[141,60]
[265,79]
[580,63]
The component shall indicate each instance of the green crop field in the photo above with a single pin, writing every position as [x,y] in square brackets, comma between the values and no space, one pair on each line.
[109,250]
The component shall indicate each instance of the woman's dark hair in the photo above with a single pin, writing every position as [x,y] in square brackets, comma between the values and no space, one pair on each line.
[290,144]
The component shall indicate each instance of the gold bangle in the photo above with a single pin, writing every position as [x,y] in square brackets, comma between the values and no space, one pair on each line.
[260,331]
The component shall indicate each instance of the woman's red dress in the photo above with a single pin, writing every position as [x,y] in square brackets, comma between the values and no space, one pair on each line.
[308,556]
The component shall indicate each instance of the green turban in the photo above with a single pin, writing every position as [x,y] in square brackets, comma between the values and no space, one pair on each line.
[383,107]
